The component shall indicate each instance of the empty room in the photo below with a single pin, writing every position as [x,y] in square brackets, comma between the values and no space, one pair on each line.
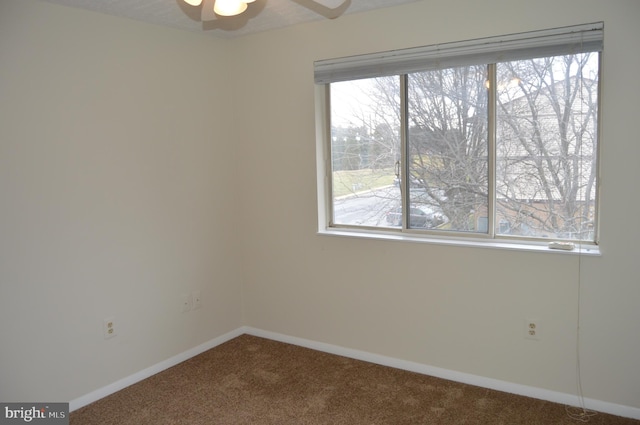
[439,188]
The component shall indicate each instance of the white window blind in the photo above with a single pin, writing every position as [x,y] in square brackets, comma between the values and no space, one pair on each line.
[551,42]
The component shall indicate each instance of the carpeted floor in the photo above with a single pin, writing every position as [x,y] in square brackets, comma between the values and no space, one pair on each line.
[251,380]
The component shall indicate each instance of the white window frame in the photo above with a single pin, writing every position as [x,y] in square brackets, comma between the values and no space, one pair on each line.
[550,42]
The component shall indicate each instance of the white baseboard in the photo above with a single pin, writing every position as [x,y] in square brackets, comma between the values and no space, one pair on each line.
[152,370]
[451,375]
[494,384]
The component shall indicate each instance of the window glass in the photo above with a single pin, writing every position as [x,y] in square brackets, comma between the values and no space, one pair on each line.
[546,138]
[365,152]
[447,154]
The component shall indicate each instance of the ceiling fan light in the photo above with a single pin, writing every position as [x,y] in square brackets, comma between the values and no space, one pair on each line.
[193,2]
[229,7]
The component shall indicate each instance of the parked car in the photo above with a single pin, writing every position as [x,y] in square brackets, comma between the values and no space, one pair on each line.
[413,183]
[417,217]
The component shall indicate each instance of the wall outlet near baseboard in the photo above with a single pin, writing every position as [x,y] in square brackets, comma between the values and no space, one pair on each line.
[109,327]
[191,301]
[532,328]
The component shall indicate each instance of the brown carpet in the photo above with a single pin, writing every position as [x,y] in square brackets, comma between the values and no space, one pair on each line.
[251,380]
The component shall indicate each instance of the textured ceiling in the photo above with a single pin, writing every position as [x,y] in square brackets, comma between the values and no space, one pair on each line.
[262,15]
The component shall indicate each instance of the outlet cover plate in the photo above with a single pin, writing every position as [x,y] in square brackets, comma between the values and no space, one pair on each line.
[109,327]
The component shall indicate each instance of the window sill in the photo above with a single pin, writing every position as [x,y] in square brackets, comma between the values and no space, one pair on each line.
[591,250]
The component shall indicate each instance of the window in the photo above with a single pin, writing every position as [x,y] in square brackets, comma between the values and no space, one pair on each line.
[494,139]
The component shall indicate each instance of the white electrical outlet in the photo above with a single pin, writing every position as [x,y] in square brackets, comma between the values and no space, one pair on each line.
[187,302]
[532,329]
[197,301]
[109,327]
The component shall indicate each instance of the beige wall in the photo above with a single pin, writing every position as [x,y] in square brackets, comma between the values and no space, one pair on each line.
[115,162]
[123,185]
[452,307]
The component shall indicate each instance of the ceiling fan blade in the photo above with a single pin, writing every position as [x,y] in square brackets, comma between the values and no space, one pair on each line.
[331,4]
[207,10]
[330,9]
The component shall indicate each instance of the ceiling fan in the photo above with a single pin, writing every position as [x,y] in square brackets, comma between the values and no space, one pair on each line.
[210,10]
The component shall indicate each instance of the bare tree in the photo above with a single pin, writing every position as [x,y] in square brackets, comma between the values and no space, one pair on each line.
[447,112]
[547,136]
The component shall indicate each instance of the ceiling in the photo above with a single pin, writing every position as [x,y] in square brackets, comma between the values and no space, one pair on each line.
[262,15]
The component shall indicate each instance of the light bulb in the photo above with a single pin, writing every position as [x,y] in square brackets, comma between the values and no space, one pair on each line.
[229,7]
[193,2]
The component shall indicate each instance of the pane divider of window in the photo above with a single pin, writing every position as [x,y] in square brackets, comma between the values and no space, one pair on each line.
[491,140]
[323,97]
[404,151]
[550,42]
